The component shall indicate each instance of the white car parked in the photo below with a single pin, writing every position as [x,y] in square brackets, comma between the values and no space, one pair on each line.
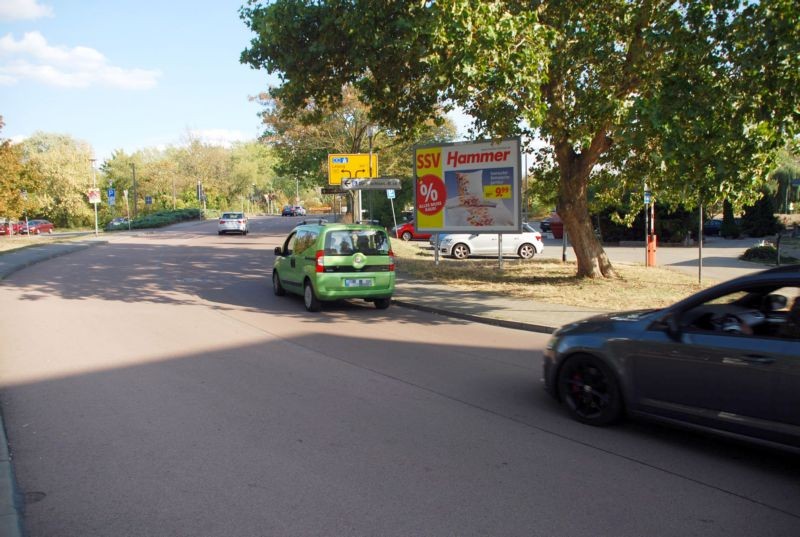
[462,245]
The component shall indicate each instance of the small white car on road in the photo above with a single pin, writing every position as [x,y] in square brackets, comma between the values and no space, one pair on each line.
[232,223]
[462,245]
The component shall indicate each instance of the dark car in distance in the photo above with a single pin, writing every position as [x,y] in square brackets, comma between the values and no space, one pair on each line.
[712,227]
[726,360]
[544,225]
[293,210]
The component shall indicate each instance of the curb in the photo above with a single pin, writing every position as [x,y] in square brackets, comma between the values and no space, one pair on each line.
[41,253]
[516,325]
[11,505]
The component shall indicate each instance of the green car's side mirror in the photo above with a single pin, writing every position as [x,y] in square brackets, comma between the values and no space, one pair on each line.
[278,250]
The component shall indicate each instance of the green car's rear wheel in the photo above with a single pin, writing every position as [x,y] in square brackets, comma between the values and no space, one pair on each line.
[310,299]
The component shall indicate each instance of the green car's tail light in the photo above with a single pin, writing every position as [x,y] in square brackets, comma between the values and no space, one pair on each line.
[320,261]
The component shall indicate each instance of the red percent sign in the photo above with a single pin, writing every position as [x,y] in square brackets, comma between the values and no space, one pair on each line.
[431,194]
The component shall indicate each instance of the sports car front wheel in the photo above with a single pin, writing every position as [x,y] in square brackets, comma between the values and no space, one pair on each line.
[590,390]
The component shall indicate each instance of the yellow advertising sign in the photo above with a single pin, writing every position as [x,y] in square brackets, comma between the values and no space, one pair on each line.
[430,193]
[350,166]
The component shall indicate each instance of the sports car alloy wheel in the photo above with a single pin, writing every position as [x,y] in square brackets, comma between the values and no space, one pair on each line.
[589,390]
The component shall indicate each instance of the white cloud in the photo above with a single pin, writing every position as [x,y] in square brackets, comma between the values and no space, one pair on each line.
[23,9]
[32,58]
[221,137]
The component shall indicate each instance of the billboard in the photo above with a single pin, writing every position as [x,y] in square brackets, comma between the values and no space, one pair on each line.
[468,187]
[350,166]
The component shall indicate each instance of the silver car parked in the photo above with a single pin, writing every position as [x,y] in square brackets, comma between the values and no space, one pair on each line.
[462,245]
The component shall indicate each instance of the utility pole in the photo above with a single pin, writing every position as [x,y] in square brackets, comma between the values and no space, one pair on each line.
[133,168]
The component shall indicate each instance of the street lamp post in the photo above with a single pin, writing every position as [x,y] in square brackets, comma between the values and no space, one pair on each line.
[94,185]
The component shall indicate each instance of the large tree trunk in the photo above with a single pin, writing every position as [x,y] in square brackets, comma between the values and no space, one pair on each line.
[574,211]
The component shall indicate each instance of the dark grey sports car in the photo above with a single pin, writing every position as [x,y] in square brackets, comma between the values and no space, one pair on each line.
[726,359]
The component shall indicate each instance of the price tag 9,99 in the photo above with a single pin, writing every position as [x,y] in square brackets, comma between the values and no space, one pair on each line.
[502,192]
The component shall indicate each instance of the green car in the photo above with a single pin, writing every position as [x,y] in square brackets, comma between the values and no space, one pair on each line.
[325,262]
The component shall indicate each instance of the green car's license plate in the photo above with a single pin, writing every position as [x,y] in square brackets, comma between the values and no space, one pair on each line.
[361,282]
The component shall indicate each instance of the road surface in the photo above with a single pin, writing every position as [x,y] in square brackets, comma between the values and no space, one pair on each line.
[155,386]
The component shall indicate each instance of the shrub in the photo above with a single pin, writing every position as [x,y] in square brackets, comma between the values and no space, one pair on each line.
[759,220]
[765,254]
[165,218]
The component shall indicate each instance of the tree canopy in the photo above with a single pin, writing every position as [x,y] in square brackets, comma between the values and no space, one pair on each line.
[48,176]
[693,97]
[302,140]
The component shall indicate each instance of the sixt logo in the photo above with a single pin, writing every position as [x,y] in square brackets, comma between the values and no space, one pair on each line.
[339,160]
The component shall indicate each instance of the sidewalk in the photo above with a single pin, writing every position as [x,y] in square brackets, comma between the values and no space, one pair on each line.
[510,312]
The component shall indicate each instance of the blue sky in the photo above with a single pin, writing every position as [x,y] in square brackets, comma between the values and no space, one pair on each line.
[128,75]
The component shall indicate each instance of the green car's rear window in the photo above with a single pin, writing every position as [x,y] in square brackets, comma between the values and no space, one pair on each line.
[350,241]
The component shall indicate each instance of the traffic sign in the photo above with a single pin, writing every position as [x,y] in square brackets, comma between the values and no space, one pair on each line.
[390,193]
[332,190]
[94,195]
[379,183]
[112,196]
[351,166]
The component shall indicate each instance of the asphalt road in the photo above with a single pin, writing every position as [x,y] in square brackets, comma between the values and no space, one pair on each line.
[155,386]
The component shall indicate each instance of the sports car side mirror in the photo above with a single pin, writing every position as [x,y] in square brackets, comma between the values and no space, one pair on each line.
[669,323]
[673,326]
[775,302]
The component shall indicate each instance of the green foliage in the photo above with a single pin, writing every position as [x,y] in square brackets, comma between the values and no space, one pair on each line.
[787,171]
[694,97]
[230,176]
[165,218]
[672,225]
[11,172]
[729,228]
[303,139]
[59,172]
[759,220]
[56,171]
[766,254]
